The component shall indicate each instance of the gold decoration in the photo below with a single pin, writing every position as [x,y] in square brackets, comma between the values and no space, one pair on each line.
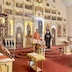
[8,3]
[2,20]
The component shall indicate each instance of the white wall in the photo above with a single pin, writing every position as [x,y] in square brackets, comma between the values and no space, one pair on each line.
[70,21]
[60,6]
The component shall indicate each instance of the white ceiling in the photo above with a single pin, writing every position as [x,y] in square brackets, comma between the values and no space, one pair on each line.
[67,2]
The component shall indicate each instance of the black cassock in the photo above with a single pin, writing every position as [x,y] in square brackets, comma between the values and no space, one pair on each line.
[47,39]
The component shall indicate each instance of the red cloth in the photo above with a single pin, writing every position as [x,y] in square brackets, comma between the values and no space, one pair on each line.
[3,57]
[36,36]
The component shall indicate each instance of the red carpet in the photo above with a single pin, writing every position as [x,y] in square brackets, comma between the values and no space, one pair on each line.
[51,64]
[21,65]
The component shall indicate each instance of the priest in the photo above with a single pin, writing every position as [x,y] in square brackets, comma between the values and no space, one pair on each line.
[47,38]
[37,35]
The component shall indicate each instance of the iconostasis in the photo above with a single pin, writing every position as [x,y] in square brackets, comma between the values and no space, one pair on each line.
[28,27]
[28,15]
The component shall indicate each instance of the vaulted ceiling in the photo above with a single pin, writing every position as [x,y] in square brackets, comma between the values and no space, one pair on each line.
[67,2]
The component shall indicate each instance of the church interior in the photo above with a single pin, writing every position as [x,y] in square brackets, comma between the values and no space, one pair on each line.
[35,36]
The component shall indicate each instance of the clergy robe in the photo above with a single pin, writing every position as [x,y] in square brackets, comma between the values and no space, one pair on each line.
[37,36]
[47,38]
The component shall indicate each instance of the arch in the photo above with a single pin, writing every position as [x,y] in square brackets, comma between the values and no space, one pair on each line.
[53,26]
[19,34]
[19,24]
[53,29]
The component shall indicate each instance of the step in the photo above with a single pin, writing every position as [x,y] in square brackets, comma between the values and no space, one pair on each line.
[48,50]
[19,56]
[23,54]
[50,56]
[51,53]
[21,50]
